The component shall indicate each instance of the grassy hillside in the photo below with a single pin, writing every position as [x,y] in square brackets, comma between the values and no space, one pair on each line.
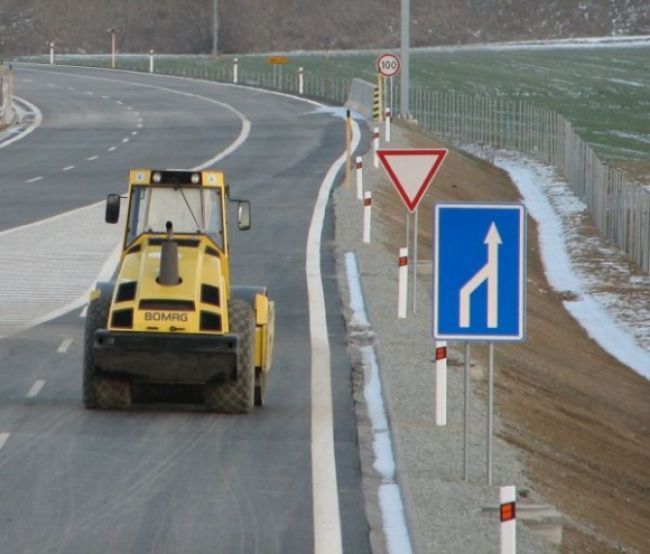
[27,26]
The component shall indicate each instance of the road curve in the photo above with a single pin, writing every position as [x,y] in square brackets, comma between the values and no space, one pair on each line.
[169,479]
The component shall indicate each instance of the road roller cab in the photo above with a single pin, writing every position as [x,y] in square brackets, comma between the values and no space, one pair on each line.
[172,318]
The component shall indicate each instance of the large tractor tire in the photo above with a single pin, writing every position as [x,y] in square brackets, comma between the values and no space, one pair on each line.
[237,397]
[101,392]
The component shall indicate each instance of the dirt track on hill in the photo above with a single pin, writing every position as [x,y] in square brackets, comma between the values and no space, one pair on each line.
[581,417]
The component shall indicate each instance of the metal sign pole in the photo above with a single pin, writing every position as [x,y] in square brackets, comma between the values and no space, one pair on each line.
[490,409]
[415,258]
[466,417]
[408,228]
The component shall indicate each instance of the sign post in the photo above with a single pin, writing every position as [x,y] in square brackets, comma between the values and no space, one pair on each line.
[411,172]
[277,62]
[389,66]
[479,284]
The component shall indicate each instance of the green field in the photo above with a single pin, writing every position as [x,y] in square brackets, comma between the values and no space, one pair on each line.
[602,90]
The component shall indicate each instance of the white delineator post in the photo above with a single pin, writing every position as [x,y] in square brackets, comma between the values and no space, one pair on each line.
[367,215]
[151,68]
[508,512]
[51,53]
[375,147]
[403,282]
[387,125]
[301,81]
[359,175]
[235,70]
[441,382]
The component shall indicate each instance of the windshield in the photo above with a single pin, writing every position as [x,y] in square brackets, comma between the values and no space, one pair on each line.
[190,209]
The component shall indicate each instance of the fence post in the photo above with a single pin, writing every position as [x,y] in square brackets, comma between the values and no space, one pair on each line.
[235,70]
[301,81]
[367,216]
[151,67]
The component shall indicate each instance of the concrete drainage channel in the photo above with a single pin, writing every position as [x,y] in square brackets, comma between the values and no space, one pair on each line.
[441,513]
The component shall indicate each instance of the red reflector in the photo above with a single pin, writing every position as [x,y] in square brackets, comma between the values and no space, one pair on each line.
[403,261]
[508,511]
[441,353]
[359,165]
[375,134]
[367,201]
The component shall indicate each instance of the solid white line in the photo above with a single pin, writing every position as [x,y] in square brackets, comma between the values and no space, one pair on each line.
[3,438]
[65,344]
[68,168]
[33,180]
[36,388]
[327,518]
[92,158]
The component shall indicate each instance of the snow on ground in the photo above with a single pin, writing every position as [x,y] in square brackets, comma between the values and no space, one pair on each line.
[609,301]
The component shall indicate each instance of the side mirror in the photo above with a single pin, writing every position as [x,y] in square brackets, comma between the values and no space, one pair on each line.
[112,208]
[244,215]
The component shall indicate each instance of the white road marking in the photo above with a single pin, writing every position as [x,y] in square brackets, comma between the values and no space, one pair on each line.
[38,118]
[119,102]
[3,438]
[90,93]
[50,84]
[92,158]
[33,180]
[140,125]
[70,88]
[36,388]
[68,168]
[327,517]
[65,344]
[129,108]
[126,139]
[134,133]
[112,149]
[84,312]
[106,97]
[137,114]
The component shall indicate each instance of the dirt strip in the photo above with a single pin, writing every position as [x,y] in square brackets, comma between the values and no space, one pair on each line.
[577,418]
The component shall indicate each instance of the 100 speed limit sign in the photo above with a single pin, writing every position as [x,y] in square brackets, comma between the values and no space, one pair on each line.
[388,65]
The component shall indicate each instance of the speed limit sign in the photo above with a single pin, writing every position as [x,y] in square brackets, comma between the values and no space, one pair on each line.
[388,65]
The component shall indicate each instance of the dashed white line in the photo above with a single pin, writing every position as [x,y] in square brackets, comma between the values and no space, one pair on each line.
[68,168]
[106,97]
[36,388]
[92,158]
[3,438]
[134,133]
[50,84]
[119,102]
[33,180]
[70,88]
[125,139]
[137,114]
[90,92]
[63,347]
[129,108]
[112,148]
[140,125]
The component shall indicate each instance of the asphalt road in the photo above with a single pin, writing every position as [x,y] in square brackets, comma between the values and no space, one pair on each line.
[170,479]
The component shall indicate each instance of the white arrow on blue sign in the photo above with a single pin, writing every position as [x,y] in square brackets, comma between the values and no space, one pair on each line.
[479,268]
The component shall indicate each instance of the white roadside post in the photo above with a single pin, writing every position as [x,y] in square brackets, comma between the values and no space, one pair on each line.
[235,70]
[508,527]
[359,175]
[387,125]
[375,147]
[301,81]
[151,66]
[367,216]
[51,53]
[441,382]
[403,282]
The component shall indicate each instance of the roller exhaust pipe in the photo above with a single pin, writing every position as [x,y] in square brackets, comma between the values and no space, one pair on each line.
[169,259]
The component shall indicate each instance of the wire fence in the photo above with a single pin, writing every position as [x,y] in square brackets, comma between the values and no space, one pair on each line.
[620,206]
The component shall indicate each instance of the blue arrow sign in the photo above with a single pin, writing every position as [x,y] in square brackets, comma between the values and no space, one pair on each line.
[479,267]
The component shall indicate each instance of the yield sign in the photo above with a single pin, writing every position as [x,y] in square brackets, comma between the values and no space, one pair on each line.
[411,171]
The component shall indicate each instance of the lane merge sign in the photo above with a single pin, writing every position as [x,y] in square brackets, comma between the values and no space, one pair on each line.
[411,171]
[479,272]
[388,65]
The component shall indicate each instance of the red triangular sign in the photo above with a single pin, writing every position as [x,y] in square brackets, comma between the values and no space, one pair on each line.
[411,171]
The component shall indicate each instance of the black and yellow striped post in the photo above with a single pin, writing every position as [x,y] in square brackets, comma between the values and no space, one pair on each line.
[377,103]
